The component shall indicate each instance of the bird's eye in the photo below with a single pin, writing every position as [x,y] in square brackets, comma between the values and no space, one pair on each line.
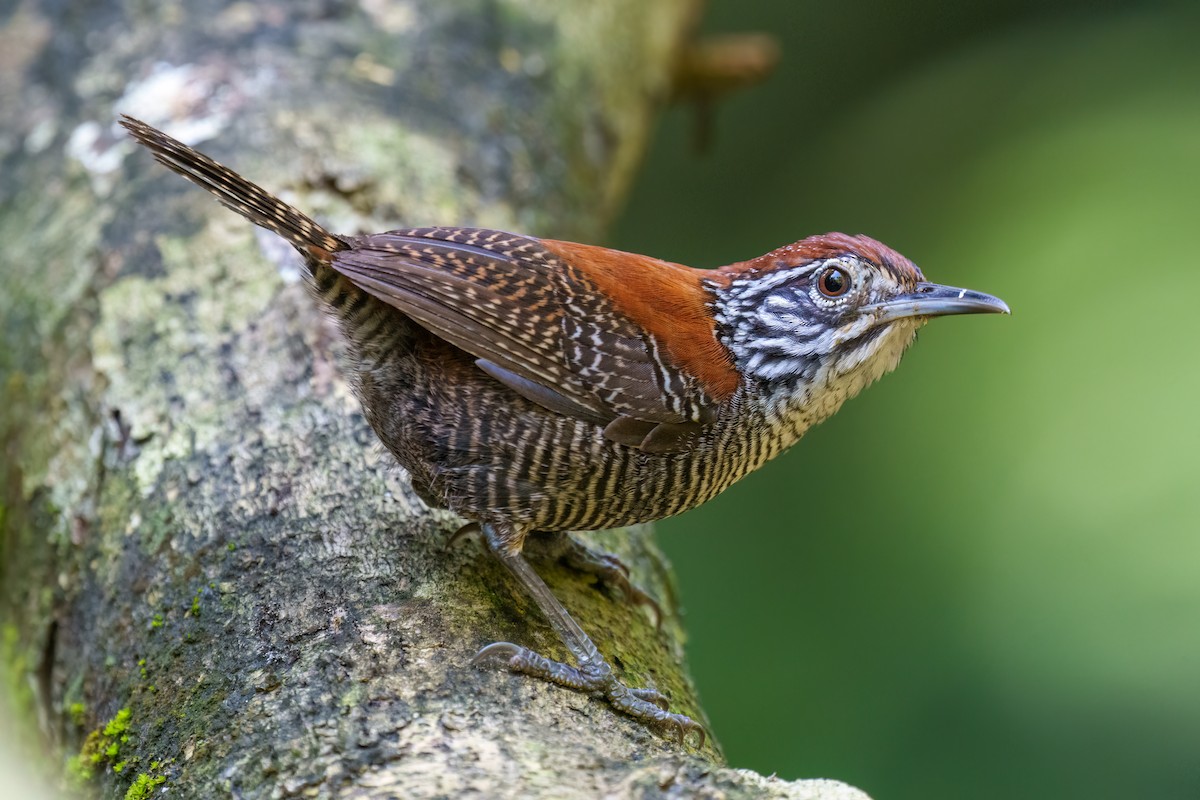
[833,282]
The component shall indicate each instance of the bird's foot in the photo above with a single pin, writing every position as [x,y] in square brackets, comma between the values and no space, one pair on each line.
[609,569]
[645,705]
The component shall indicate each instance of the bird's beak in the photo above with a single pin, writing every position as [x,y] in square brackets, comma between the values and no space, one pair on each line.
[935,300]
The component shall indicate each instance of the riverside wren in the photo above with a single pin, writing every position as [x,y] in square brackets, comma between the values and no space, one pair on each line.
[537,385]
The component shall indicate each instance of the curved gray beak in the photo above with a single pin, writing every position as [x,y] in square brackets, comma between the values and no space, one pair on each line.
[935,300]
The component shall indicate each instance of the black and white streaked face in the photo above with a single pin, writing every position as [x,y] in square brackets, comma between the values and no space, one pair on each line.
[811,324]
[791,323]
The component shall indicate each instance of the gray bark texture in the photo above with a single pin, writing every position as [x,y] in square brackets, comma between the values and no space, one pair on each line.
[215,581]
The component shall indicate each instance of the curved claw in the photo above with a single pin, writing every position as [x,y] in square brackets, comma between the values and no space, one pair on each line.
[636,596]
[615,563]
[683,726]
[652,696]
[692,725]
[679,733]
[462,533]
[503,650]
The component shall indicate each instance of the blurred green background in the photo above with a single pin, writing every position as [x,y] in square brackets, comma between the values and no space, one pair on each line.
[981,579]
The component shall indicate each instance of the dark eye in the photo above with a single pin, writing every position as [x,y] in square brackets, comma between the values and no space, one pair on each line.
[833,282]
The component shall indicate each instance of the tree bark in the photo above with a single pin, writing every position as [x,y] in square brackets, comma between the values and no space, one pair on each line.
[215,581]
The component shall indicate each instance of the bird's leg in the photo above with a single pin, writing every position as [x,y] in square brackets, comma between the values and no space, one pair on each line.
[593,673]
[608,568]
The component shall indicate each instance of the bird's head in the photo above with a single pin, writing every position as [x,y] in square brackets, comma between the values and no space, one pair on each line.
[830,313]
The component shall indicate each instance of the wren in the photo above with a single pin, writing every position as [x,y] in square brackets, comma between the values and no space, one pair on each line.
[533,385]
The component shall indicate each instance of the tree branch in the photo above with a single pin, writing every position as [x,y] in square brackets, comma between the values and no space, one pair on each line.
[209,563]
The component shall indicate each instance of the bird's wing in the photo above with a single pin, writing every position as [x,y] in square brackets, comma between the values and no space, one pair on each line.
[538,317]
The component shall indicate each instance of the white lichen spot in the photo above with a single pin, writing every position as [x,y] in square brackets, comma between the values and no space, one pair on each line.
[186,99]
[88,145]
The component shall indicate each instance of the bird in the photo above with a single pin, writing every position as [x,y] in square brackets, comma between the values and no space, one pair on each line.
[536,386]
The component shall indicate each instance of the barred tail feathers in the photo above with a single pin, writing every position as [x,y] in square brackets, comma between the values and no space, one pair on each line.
[236,193]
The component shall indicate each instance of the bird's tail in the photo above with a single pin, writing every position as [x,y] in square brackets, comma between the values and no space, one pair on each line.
[235,192]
